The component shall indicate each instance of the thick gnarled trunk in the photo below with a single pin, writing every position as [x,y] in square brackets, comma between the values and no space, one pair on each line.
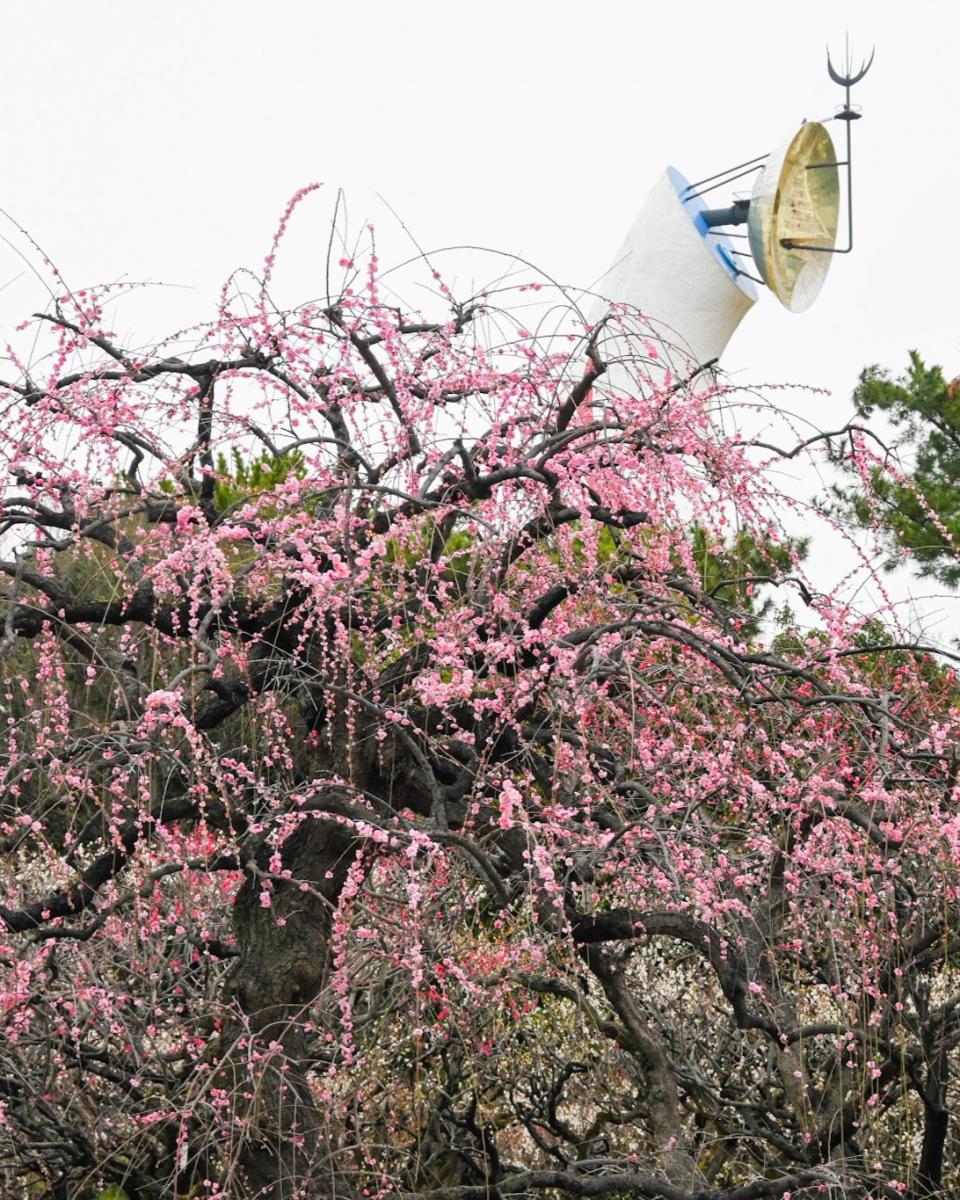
[284,960]
[663,1098]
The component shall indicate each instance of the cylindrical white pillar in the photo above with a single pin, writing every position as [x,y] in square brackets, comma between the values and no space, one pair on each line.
[678,275]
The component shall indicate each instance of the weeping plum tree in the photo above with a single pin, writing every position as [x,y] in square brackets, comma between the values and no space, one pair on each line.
[394,805]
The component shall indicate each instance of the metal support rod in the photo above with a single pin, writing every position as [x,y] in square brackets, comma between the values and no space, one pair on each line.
[720,174]
[723,183]
[789,244]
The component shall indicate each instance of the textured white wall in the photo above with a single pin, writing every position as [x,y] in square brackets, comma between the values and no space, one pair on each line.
[677,276]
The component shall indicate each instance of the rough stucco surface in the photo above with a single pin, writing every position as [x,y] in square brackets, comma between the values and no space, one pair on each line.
[665,269]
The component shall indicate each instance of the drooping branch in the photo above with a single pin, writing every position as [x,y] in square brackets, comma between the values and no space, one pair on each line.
[614,925]
[613,1182]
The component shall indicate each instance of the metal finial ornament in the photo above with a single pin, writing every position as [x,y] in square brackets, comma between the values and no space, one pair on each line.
[850,78]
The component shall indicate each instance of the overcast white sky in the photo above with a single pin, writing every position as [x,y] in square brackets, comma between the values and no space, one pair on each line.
[161,140]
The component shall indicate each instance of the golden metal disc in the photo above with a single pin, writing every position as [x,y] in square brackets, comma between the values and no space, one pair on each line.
[796,199]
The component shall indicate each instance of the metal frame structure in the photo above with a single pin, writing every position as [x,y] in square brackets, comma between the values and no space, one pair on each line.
[737,213]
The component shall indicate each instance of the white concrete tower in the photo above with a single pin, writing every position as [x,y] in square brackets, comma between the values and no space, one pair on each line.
[678,274]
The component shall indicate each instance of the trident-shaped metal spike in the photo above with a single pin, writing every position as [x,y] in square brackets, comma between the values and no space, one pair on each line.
[851,77]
